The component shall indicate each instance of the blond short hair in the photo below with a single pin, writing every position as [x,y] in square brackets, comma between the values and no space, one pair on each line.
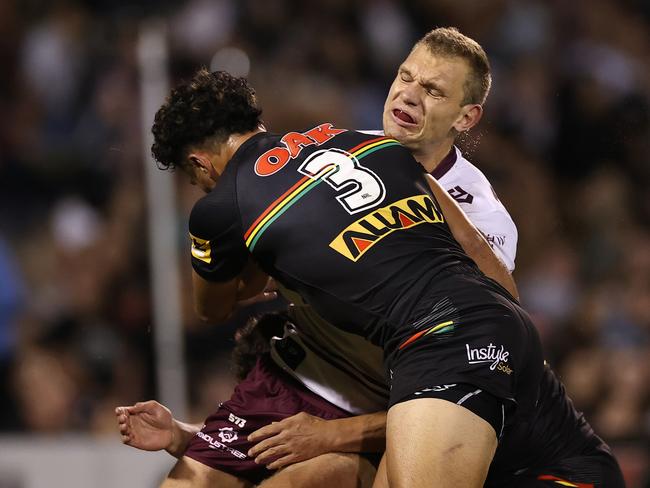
[448,41]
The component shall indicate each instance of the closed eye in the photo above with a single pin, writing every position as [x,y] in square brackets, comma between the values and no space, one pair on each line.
[405,76]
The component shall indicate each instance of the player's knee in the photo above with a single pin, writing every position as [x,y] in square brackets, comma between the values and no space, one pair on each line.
[188,473]
[182,475]
[333,469]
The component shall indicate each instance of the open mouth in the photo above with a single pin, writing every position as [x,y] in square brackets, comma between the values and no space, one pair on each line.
[403,116]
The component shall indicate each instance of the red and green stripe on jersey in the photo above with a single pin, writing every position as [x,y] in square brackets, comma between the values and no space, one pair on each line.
[304,186]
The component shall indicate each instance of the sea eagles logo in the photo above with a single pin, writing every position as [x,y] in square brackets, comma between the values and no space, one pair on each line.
[360,236]
[460,195]
[227,434]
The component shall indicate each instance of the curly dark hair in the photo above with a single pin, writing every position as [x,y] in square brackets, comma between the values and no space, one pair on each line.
[210,105]
[253,340]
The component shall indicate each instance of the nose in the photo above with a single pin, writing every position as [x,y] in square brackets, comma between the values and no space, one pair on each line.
[409,94]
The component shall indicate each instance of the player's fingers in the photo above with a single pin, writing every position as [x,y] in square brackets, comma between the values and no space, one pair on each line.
[121,410]
[283,462]
[126,439]
[263,446]
[139,407]
[142,407]
[264,432]
[263,297]
[271,454]
[271,285]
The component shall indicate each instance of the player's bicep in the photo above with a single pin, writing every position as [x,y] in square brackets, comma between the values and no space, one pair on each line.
[217,247]
[219,256]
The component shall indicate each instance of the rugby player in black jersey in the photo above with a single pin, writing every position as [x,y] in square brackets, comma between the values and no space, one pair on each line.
[370,250]
[473,354]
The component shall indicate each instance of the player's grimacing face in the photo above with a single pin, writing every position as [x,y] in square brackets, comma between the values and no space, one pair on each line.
[425,100]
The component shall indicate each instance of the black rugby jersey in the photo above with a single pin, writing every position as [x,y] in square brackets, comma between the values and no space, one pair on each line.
[344,218]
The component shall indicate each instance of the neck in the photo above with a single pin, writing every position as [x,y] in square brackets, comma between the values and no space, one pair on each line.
[432,157]
[235,141]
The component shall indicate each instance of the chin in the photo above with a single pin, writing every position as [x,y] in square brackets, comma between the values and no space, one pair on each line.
[404,137]
[395,131]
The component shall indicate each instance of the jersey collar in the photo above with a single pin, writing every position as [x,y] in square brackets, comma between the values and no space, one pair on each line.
[446,164]
[241,150]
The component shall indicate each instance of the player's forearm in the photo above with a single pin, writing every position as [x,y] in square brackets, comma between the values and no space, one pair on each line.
[471,240]
[214,302]
[182,433]
[363,433]
[252,281]
[480,251]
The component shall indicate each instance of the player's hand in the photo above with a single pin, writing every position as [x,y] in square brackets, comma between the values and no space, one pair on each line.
[146,425]
[294,439]
[270,293]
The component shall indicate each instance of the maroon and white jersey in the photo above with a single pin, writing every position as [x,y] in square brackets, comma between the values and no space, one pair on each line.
[473,192]
[344,368]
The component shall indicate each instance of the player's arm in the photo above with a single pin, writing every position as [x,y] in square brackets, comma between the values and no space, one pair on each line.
[224,272]
[303,436]
[472,240]
[216,301]
[150,426]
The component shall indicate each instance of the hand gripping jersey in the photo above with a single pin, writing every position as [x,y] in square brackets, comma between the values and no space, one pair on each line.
[347,221]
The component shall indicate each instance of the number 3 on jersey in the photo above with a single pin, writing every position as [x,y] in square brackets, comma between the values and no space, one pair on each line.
[340,169]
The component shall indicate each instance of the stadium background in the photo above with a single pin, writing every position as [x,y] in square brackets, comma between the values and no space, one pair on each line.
[565,142]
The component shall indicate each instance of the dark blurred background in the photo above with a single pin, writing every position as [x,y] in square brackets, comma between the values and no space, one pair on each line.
[565,142]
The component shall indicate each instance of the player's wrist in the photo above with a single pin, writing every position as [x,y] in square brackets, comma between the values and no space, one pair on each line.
[176,439]
[336,436]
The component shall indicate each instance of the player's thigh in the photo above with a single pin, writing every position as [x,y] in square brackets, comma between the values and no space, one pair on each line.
[434,442]
[340,470]
[188,473]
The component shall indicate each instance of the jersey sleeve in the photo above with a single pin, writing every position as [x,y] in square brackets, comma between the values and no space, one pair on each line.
[499,230]
[217,247]
[473,192]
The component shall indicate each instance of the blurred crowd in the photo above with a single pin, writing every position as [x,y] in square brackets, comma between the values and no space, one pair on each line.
[565,141]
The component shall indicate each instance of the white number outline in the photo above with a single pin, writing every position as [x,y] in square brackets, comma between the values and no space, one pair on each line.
[346,165]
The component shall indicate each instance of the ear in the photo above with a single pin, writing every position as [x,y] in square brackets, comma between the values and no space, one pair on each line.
[199,161]
[470,115]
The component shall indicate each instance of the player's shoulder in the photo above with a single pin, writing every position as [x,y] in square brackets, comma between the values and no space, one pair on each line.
[203,208]
[463,180]
[463,169]
[216,208]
